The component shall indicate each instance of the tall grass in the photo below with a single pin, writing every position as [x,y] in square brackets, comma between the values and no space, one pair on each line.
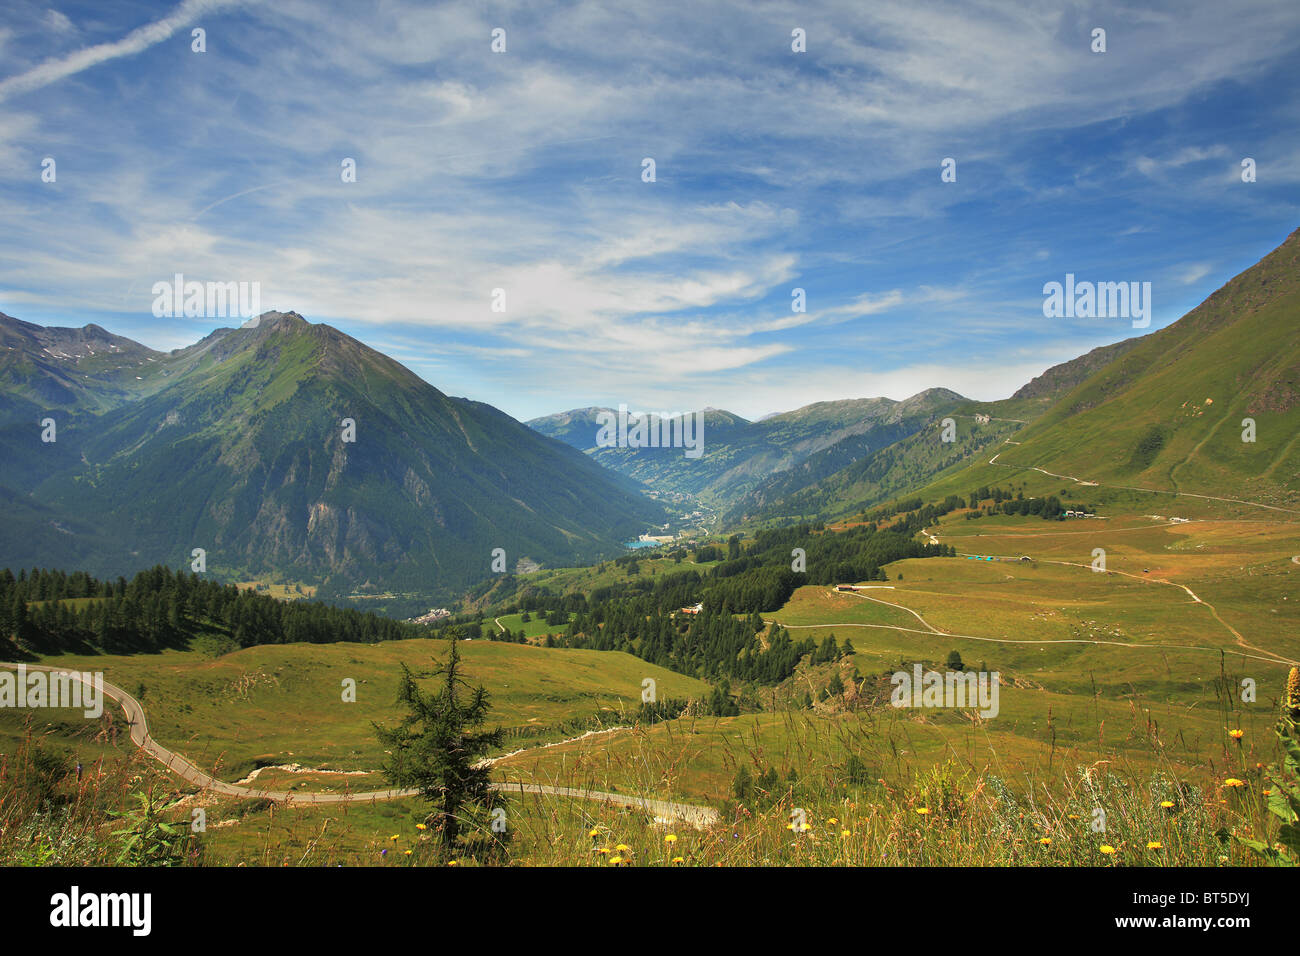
[799,790]
[824,813]
[838,793]
[115,814]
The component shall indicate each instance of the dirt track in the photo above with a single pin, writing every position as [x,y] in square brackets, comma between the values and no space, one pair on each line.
[135,717]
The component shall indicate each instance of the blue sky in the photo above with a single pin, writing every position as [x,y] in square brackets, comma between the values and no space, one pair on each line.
[522,171]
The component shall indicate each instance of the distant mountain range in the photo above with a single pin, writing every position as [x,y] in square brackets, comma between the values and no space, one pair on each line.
[838,482]
[1165,410]
[237,445]
[740,455]
[825,459]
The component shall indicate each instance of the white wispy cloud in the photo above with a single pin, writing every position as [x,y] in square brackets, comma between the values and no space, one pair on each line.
[1192,273]
[138,40]
[521,171]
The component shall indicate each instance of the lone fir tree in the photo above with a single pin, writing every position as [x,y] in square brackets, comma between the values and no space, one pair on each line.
[437,749]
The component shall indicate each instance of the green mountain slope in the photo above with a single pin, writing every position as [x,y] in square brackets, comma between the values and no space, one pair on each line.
[1164,411]
[1168,413]
[87,369]
[823,488]
[243,454]
[1059,379]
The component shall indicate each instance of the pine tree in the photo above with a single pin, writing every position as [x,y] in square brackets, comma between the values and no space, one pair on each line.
[435,748]
[742,785]
[18,617]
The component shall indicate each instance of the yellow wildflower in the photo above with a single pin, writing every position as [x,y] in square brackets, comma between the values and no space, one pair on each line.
[1291,701]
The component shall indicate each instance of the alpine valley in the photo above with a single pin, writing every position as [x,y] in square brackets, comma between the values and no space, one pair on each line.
[1109,554]
[239,445]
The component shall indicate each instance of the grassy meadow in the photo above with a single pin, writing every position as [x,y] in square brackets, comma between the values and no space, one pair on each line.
[1119,690]
[280,705]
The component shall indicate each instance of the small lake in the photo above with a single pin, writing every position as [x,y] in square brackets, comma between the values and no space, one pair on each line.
[641,544]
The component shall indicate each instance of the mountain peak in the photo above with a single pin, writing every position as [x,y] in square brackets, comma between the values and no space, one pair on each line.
[284,320]
[938,393]
[288,484]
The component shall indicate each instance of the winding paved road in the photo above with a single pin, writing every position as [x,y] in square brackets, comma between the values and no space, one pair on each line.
[135,717]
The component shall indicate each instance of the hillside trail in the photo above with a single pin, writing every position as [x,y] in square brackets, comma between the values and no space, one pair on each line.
[1238,637]
[932,630]
[1083,482]
[698,816]
[1173,472]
